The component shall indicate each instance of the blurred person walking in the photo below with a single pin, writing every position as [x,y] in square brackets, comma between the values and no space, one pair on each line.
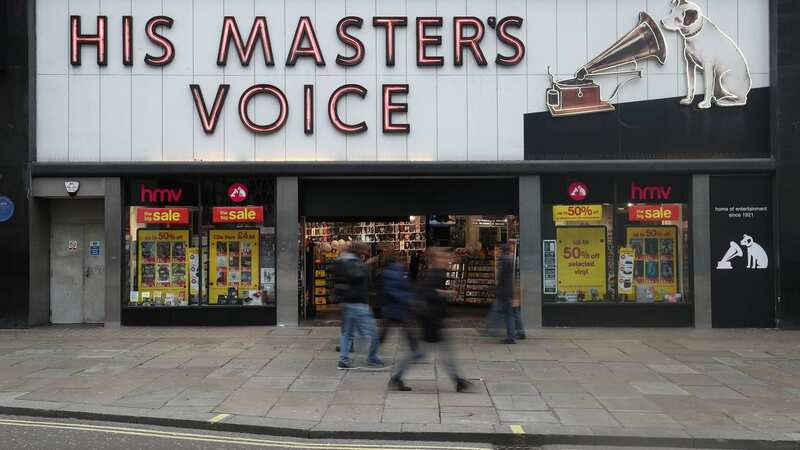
[502,311]
[396,301]
[351,279]
[432,309]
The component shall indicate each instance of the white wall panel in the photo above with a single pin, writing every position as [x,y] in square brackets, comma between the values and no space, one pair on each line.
[115,118]
[331,144]
[210,147]
[391,146]
[294,9]
[422,115]
[299,146]
[52,31]
[456,113]
[482,10]
[243,11]
[114,10]
[239,141]
[270,147]
[147,95]
[451,108]
[507,8]
[401,58]
[274,11]
[362,146]
[366,10]
[448,9]
[208,16]
[482,118]
[84,113]
[754,23]
[512,105]
[571,36]
[52,118]
[88,10]
[419,8]
[181,35]
[542,33]
[178,110]
[142,11]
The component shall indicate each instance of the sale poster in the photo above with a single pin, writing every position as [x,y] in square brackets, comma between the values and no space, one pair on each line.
[577,213]
[581,266]
[162,267]
[233,265]
[655,261]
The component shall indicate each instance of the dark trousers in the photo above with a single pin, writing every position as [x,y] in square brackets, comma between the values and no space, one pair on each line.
[400,325]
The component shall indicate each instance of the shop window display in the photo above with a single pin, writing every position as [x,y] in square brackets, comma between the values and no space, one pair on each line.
[200,243]
[619,239]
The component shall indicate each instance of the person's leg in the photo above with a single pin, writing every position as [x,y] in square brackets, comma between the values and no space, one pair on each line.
[508,316]
[413,345]
[518,326]
[346,340]
[367,327]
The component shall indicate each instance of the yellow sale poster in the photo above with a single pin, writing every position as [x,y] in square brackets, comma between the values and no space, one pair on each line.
[655,261]
[233,265]
[581,262]
[162,267]
[577,213]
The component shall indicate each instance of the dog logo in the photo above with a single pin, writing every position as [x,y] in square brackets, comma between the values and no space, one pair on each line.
[756,255]
[709,49]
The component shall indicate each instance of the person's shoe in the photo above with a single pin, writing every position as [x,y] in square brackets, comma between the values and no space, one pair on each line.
[521,336]
[345,365]
[398,385]
[508,341]
[462,385]
[375,364]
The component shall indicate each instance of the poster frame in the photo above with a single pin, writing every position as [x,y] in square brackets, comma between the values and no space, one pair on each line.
[678,273]
[207,281]
[604,259]
[139,265]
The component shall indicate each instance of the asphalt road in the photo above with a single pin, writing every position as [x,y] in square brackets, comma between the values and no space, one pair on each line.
[17,433]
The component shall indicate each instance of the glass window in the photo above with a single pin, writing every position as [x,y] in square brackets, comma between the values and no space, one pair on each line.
[616,239]
[200,243]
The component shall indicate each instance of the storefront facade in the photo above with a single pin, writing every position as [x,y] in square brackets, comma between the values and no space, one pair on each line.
[193,163]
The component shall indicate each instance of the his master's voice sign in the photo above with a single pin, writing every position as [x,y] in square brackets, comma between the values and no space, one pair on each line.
[582,262]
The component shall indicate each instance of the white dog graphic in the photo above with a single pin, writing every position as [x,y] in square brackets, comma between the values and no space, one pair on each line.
[756,255]
[707,48]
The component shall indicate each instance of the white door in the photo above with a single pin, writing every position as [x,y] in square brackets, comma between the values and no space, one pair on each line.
[77,271]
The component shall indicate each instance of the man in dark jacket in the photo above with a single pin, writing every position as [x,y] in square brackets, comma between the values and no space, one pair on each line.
[351,278]
[432,312]
[396,301]
[502,310]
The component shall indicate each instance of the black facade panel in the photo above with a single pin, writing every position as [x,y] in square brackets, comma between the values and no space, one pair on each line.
[785,73]
[200,316]
[14,158]
[404,197]
[653,129]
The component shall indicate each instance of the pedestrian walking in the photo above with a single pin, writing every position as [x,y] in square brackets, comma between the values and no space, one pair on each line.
[432,310]
[502,311]
[351,278]
[396,301]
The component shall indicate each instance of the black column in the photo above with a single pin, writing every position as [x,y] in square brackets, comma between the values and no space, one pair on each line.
[785,82]
[15,140]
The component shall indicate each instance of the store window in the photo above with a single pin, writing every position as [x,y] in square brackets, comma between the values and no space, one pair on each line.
[618,239]
[200,243]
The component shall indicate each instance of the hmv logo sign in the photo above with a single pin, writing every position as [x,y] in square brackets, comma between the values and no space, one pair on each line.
[159,195]
[650,193]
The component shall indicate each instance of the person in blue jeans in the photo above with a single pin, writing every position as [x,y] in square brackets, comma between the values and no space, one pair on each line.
[503,310]
[351,279]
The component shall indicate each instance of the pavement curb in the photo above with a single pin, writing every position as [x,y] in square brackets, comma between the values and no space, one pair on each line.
[305,430]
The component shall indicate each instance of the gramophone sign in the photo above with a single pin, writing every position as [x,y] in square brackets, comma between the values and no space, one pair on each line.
[581,95]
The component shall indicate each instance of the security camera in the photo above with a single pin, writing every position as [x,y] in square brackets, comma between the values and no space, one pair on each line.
[72,187]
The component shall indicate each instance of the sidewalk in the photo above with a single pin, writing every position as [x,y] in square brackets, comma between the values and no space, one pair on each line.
[674,387]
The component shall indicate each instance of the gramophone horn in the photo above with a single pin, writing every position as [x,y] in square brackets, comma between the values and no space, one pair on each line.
[645,41]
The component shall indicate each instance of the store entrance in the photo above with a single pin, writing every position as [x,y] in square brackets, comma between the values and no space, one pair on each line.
[474,220]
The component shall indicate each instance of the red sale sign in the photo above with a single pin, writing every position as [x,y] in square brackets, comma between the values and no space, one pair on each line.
[237,214]
[653,213]
[166,216]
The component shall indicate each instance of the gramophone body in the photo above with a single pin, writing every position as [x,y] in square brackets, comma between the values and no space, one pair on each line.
[581,95]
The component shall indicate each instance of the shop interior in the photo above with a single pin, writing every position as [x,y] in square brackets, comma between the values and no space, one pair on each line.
[475,241]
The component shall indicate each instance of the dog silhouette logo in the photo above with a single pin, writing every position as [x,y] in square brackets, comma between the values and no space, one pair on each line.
[756,255]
